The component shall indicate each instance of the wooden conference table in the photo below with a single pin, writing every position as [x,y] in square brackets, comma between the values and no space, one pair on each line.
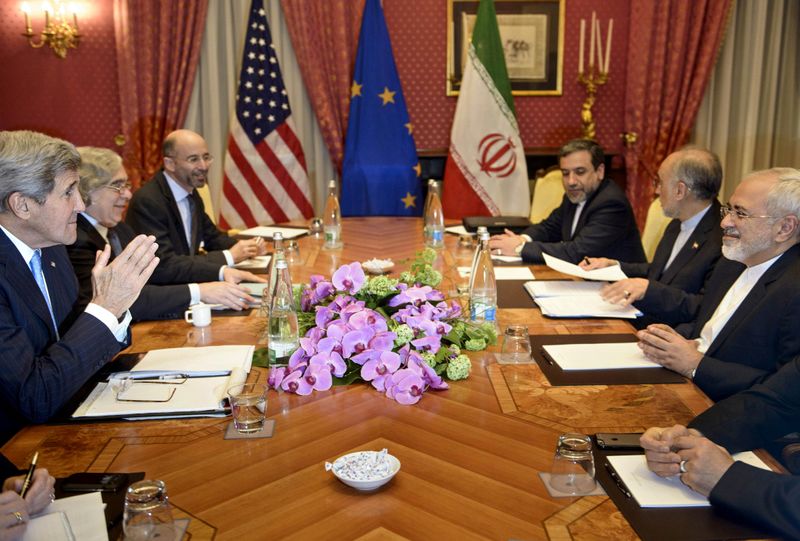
[470,455]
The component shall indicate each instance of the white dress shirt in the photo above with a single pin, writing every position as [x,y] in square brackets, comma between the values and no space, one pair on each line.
[687,228]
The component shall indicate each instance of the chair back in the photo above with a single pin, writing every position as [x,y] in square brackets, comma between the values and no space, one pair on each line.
[654,227]
[548,191]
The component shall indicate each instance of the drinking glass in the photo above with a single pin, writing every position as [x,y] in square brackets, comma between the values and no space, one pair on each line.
[315,226]
[249,405]
[292,253]
[516,346]
[573,465]
[148,514]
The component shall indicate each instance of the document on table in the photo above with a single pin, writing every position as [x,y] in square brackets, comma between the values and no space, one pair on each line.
[598,356]
[77,517]
[257,262]
[584,306]
[609,274]
[503,273]
[458,230]
[256,289]
[197,361]
[269,231]
[508,258]
[562,288]
[650,490]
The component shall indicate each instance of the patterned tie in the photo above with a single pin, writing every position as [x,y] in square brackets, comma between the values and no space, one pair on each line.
[36,269]
[193,225]
[113,240]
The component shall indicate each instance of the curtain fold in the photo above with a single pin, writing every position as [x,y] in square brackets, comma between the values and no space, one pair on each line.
[158,46]
[669,67]
[325,37]
[751,121]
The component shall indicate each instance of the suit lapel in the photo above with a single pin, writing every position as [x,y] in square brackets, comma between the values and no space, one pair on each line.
[54,267]
[694,243]
[172,205]
[584,213]
[93,236]
[664,250]
[566,225]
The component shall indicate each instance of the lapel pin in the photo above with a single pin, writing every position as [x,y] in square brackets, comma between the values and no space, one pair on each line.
[695,246]
[53,264]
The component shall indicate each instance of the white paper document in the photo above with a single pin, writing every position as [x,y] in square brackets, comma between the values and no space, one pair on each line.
[609,274]
[598,356]
[257,262]
[507,258]
[584,306]
[650,490]
[79,517]
[458,230]
[255,289]
[503,273]
[562,288]
[269,231]
[198,361]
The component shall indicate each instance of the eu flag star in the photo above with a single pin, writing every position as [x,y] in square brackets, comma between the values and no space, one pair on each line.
[418,169]
[387,95]
[410,128]
[409,200]
[355,90]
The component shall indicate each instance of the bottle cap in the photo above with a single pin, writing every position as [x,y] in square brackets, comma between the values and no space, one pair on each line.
[331,183]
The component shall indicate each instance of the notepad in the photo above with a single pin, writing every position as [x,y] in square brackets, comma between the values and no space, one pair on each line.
[584,306]
[197,361]
[650,490]
[616,356]
[269,231]
[562,288]
[255,289]
[458,230]
[77,517]
[257,262]
[609,274]
[503,273]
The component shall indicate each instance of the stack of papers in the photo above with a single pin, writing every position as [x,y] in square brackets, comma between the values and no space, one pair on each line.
[183,382]
[562,288]
[614,356]
[257,262]
[458,230]
[650,490]
[584,306]
[503,273]
[77,517]
[609,274]
[269,231]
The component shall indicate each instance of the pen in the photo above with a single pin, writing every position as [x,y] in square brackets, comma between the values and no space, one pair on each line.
[586,260]
[617,480]
[29,476]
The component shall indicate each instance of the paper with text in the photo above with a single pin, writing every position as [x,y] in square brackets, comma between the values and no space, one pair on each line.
[598,356]
[584,306]
[269,231]
[609,274]
[562,288]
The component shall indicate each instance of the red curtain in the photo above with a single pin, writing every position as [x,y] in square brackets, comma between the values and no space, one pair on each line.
[158,47]
[325,38]
[672,49]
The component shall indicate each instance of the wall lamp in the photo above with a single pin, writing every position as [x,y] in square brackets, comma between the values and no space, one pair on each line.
[58,33]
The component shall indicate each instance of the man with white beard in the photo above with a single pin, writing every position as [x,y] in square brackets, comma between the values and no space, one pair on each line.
[747,325]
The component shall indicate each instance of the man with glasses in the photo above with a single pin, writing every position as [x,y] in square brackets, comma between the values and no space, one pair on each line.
[191,247]
[668,290]
[105,191]
[746,325]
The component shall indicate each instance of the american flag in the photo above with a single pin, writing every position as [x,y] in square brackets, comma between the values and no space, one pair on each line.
[265,178]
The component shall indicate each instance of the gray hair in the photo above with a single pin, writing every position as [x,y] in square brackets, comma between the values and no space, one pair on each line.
[784,197]
[30,162]
[98,166]
[701,170]
[577,145]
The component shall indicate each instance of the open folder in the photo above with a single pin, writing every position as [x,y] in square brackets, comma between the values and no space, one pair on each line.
[175,382]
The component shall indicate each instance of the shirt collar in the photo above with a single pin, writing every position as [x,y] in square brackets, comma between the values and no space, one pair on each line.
[691,223]
[178,191]
[103,230]
[24,250]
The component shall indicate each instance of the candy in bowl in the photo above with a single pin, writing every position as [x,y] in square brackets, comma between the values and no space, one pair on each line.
[365,470]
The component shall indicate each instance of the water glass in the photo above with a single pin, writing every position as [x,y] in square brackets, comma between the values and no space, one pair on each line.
[315,226]
[249,406]
[516,346]
[148,514]
[573,465]
[292,253]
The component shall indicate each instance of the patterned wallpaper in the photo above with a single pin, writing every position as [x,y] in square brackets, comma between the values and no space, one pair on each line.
[75,98]
[418,31]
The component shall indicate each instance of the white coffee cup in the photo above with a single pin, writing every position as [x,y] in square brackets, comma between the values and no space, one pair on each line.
[198,315]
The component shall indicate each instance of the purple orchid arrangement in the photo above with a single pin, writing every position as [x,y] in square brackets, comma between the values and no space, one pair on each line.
[401,338]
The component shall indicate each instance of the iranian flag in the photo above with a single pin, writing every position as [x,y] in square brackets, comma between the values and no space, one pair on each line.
[485,172]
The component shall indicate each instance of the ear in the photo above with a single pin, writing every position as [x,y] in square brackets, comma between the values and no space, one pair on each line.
[169,164]
[18,204]
[601,171]
[681,189]
[788,228]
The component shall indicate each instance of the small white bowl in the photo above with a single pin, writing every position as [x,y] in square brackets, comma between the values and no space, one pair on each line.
[365,484]
[377,266]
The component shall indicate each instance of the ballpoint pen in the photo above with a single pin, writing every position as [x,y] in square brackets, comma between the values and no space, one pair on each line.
[29,476]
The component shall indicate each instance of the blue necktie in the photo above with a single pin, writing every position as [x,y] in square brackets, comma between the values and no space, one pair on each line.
[36,269]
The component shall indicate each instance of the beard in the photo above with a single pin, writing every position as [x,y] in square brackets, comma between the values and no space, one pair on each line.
[736,250]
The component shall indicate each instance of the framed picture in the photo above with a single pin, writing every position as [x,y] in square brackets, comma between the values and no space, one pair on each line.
[532,32]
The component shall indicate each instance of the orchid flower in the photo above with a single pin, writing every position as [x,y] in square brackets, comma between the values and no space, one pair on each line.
[349,278]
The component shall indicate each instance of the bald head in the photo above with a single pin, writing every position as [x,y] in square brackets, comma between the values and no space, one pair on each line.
[186,158]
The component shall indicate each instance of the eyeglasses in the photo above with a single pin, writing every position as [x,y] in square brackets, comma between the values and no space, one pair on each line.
[727,210]
[119,186]
[194,159]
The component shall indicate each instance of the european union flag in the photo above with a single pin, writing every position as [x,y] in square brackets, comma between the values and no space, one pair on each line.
[380,175]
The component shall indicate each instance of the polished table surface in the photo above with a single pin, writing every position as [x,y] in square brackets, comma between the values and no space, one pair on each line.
[470,455]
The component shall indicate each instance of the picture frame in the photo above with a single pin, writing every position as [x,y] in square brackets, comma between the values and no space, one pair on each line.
[533,39]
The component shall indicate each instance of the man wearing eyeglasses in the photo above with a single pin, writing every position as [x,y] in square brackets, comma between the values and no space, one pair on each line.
[668,290]
[746,325]
[169,208]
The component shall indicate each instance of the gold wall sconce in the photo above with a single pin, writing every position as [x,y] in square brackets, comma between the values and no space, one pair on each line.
[58,33]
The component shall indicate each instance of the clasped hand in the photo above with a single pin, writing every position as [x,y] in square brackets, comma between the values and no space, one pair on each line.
[661,344]
[506,244]
[118,284]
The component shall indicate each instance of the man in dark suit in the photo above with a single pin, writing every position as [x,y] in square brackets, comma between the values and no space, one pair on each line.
[595,218]
[169,208]
[746,326]
[45,357]
[668,290]
[747,420]
[106,192]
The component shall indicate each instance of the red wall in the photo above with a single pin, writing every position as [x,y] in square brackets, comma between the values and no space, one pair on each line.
[419,39]
[75,98]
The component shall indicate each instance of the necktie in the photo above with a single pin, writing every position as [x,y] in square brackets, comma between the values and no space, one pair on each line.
[36,269]
[113,240]
[193,226]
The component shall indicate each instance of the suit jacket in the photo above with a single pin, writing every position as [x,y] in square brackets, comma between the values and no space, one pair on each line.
[154,211]
[761,335]
[39,373]
[154,302]
[673,296]
[606,228]
[749,420]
